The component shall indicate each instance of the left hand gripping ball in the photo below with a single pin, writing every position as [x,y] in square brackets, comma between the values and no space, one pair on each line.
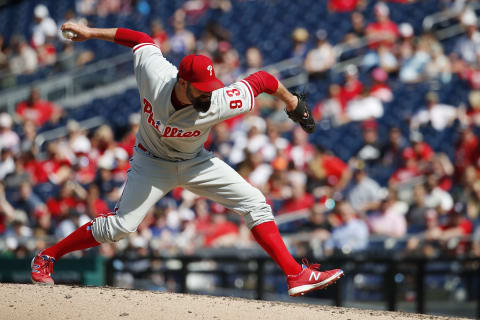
[67,34]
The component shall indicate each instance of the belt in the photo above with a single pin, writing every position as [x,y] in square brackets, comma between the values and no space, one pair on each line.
[148,153]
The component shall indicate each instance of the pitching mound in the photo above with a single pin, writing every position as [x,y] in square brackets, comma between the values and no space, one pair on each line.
[26,301]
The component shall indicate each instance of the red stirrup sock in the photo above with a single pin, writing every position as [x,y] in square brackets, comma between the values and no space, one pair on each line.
[79,239]
[268,236]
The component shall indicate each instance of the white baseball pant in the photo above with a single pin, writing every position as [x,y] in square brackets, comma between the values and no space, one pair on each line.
[149,179]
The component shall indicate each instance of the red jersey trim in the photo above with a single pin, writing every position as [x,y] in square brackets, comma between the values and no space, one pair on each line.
[141,45]
[252,97]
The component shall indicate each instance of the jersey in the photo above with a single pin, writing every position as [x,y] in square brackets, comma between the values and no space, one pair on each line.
[177,135]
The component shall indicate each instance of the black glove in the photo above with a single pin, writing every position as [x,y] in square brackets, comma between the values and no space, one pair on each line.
[302,114]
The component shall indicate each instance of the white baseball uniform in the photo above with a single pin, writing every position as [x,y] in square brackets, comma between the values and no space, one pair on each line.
[170,153]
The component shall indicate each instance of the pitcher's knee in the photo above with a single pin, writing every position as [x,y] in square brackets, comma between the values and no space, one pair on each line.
[258,214]
[109,228]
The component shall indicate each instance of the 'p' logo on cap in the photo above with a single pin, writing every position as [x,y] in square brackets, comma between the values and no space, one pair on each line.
[198,70]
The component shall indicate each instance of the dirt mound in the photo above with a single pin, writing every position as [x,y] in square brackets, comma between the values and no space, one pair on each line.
[26,301]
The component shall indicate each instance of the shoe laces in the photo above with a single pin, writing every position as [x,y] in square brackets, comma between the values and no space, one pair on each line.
[47,265]
[313,266]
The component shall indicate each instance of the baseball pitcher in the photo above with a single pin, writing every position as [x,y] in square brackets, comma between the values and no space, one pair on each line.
[178,109]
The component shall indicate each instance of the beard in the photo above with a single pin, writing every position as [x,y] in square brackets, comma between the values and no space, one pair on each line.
[199,104]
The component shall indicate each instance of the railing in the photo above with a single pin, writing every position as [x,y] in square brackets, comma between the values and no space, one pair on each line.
[84,271]
[72,83]
[393,271]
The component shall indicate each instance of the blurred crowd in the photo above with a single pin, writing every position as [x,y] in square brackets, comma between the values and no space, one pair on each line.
[324,204]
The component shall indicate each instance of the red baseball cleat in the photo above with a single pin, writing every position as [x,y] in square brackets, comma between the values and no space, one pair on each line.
[310,279]
[42,269]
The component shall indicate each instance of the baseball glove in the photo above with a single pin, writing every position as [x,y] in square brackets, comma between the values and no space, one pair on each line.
[301,114]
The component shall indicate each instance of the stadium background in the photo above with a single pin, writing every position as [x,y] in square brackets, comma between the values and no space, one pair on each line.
[391,171]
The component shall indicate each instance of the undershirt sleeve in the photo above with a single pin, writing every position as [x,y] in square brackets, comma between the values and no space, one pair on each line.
[130,38]
[262,81]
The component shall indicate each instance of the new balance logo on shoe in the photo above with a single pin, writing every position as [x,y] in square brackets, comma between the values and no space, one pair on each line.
[314,275]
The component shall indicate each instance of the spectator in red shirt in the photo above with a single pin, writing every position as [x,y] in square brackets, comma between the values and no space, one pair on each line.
[327,168]
[384,30]
[160,36]
[344,5]
[380,89]
[408,171]
[69,197]
[35,109]
[95,205]
[421,150]
[222,233]
[352,87]
[128,141]
[466,151]
[457,227]
[300,199]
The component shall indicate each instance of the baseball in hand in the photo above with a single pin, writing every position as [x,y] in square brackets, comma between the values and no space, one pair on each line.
[67,34]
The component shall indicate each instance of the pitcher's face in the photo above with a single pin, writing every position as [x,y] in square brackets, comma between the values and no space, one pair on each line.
[200,99]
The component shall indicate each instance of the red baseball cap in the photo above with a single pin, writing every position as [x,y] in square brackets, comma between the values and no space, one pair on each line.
[198,70]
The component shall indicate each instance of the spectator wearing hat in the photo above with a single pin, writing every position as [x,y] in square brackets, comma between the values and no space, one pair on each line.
[8,138]
[438,115]
[370,152]
[352,86]
[467,46]
[380,89]
[405,46]
[299,39]
[321,58]
[45,28]
[383,30]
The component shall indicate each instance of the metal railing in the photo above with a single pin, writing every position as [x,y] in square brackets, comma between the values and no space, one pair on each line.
[178,268]
[72,83]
